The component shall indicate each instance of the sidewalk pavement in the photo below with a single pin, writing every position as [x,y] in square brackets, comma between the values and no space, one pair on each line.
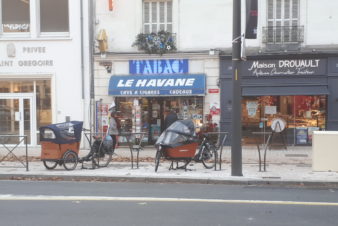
[292,167]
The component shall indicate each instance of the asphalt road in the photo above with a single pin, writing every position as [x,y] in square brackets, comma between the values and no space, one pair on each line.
[102,203]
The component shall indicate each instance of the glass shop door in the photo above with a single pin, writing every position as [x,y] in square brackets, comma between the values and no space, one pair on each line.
[16,117]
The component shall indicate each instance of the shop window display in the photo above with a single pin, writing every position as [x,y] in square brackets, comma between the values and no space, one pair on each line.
[153,111]
[302,114]
[124,110]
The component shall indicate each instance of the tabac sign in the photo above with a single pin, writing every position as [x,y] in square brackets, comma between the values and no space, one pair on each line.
[160,66]
[157,85]
[290,67]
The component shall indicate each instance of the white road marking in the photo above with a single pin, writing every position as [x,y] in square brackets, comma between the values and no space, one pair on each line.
[10,197]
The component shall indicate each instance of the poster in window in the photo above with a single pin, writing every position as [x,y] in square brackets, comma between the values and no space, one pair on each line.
[251,107]
[101,116]
[137,118]
[270,110]
[155,131]
[215,108]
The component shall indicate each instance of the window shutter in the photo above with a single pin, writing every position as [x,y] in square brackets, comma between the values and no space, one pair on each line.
[270,9]
[295,7]
[278,9]
[282,21]
[146,12]
[169,12]
[286,9]
[154,12]
[157,15]
[162,12]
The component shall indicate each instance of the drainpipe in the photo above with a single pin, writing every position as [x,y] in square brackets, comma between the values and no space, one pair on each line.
[82,55]
[91,25]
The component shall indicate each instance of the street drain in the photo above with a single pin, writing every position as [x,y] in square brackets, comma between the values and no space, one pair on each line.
[296,155]
[271,178]
[303,165]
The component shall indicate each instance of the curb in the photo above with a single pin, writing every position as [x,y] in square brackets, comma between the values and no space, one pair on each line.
[244,182]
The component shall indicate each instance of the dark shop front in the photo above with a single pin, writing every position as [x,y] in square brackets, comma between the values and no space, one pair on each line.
[299,91]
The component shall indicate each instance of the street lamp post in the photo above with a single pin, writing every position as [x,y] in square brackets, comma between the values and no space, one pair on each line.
[236,145]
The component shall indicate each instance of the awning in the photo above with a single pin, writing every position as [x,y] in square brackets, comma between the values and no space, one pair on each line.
[285,90]
[157,85]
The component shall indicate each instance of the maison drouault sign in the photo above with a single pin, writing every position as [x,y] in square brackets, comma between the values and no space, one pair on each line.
[291,67]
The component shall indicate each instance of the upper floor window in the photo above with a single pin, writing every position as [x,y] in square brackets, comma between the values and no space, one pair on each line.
[15,16]
[50,16]
[157,15]
[54,16]
[283,21]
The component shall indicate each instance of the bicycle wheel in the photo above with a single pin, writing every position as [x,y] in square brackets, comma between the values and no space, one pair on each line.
[101,156]
[209,156]
[157,159]
[49,164]
[70,160]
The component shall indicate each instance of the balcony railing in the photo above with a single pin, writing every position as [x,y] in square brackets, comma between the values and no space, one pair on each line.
[283,35]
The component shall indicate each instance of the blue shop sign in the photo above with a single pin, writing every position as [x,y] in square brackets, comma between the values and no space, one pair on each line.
[168,66]
[157,85]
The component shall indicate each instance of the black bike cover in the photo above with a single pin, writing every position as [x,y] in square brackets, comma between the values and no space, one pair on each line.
[179,133]
[62,133]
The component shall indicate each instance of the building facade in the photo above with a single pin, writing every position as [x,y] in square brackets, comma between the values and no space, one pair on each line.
[44,72]
[154,56]
[290,72]
[150,54]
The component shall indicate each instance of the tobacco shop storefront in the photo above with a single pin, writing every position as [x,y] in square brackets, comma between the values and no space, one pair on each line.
[299,92]
[143,101]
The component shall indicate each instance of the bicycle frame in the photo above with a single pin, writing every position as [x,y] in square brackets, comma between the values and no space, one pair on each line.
[205,143]
[205,152]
